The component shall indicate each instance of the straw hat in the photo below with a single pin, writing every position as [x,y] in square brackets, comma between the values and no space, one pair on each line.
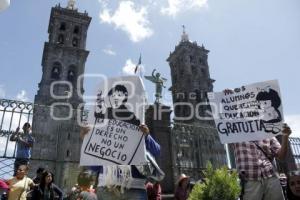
[182,177]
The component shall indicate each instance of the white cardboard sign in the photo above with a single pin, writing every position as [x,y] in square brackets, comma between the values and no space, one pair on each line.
[248,113]
[115,138]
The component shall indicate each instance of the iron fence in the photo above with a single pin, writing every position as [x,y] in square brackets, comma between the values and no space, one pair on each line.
[13,114]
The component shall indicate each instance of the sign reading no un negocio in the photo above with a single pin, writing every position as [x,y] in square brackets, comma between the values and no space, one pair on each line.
[115,138]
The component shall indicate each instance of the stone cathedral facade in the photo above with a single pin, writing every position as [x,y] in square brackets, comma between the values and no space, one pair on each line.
[59,96]
[194,137]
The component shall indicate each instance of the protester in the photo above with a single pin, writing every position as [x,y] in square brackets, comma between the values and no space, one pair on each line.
[293,189]
[24,142]
[254,162]
[131,174]
[283,183]
[39,172]
[85,181]
[182,187]
[153,190]
[20,184]
[74,193]
[47,190]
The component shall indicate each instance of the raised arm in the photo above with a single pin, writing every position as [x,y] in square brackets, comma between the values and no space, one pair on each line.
[284,144]
[14,136]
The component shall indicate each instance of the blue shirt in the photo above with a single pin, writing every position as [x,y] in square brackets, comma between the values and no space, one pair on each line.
[23,150]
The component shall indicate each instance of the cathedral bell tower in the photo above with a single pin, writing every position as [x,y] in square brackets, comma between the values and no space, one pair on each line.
[190,79]
[59,96]
[194,135]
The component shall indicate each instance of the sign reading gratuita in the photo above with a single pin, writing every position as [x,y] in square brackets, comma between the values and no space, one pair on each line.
[248,113]
[115,138]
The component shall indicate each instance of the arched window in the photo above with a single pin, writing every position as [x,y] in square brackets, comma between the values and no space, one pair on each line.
[68,153]
[75,42]
[76,30]
[62,26]
[56,70]
[71,73]
[203,71]
[61,39]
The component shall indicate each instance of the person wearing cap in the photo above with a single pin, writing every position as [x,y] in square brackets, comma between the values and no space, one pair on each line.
[181,192]
[24,142]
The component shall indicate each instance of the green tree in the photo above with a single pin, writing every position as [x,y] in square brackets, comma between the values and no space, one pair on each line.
[220,184]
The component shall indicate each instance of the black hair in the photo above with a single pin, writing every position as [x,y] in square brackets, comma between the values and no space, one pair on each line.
[40,170]
[289,192]
[27,124]
[85,178]
[43,181]
[272,95]
[120,88]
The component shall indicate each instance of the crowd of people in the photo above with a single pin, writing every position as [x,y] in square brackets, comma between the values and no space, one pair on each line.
[258,177]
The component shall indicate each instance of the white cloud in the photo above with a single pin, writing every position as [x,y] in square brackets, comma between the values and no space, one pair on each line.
[177,6]
[294,122]
[22,96]
[129,19]
[2,91]
[109,51]
[129,67]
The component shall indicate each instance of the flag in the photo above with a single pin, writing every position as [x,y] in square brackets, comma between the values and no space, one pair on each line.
[139,63]
[4,4]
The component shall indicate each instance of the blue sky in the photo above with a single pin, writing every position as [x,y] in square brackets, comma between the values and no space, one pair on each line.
[249,41]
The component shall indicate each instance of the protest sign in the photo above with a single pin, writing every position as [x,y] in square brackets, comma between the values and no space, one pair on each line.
[248,113]
[115,138]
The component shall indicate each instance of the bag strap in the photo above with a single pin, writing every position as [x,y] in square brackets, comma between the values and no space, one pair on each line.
[262,150]
[23,188]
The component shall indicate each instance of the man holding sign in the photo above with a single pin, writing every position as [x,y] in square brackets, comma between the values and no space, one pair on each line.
[255,164]
[249,117]
[114,146]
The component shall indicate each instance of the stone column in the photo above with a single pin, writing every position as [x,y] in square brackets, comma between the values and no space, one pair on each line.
[158,121]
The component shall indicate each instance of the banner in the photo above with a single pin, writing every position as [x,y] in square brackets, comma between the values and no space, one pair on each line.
[115,138]
[248,113]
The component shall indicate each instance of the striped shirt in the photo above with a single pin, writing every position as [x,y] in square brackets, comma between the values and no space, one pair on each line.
[252,161]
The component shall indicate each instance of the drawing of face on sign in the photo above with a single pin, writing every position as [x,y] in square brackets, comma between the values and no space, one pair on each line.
[269,102]
[118,96]
[117,109]
[115,138]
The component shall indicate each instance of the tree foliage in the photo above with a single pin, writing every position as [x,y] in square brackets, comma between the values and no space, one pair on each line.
[220,184]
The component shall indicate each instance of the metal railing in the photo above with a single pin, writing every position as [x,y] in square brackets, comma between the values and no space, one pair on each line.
[13,114]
